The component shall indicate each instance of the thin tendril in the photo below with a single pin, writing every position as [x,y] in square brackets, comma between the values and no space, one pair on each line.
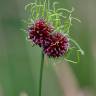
[69,60]
[79,48]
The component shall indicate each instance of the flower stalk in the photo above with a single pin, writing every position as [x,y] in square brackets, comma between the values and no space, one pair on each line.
[41,74]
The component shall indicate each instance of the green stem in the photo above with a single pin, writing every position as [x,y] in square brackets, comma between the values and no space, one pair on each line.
[41,74]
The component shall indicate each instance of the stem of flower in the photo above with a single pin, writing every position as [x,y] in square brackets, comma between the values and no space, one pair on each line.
[41,74]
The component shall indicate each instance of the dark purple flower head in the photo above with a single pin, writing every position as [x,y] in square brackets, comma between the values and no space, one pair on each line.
[57,45]
[39,31]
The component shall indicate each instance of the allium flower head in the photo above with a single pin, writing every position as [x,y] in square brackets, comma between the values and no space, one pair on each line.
[39,31]
[57,45]
[49,38]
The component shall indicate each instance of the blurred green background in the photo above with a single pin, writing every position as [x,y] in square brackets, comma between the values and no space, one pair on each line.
[20,63]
